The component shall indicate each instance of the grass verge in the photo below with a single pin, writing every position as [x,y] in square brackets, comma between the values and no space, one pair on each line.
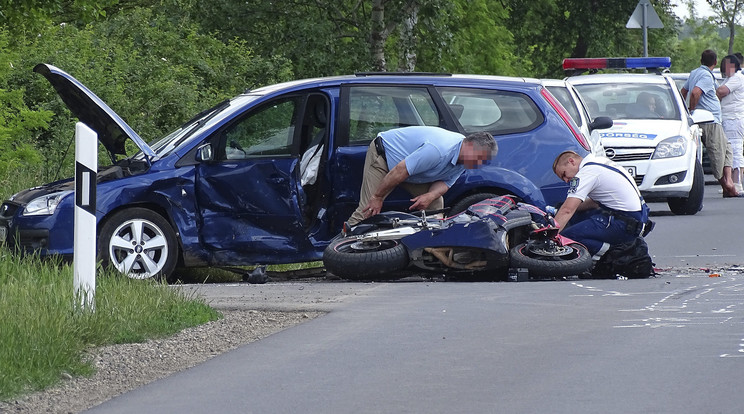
[43,335]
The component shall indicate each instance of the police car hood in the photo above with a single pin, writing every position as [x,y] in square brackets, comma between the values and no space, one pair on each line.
[112,131]
[640,133]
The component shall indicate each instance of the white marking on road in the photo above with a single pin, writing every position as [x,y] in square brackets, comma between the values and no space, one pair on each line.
[707,255]
[722,311]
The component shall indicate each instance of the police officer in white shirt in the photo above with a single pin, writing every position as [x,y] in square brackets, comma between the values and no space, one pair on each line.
[603,205]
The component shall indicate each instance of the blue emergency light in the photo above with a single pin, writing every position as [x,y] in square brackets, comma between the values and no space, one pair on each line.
[616,63]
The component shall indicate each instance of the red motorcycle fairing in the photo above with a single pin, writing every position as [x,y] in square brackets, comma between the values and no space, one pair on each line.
[551,232]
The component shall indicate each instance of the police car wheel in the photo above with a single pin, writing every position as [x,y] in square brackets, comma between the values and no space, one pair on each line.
[694,202]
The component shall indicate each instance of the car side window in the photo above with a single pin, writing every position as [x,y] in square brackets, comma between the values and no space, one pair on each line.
[268,130]
[498,112]
[564,97]
[373,109]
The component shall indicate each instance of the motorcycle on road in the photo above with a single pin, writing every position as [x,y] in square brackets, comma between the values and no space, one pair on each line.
[486,240]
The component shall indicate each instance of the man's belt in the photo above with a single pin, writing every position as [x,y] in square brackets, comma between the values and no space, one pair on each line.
[379,147]
[632,226]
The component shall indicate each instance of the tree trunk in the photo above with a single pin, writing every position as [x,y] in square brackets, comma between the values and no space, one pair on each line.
[378,36]
[732,33]
[581,47]
[408,41]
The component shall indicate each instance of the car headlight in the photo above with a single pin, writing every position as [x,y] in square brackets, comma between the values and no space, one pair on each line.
[671,147]
[46,204]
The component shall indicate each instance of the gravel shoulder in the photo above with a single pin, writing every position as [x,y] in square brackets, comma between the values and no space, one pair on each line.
[251,312]
[121,368]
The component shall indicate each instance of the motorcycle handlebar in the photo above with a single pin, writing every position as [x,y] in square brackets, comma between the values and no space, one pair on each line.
[441,210]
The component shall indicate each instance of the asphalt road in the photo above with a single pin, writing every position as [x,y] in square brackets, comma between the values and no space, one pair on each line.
[672,344]
[713,237]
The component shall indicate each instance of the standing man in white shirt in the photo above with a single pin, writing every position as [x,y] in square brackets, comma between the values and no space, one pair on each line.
[701,86]
[731,94]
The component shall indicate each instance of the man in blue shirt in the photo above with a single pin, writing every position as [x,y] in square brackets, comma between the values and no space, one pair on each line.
[424,160]
[701,85]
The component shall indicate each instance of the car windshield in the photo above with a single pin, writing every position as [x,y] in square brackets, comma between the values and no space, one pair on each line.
[165,145]
[630,100]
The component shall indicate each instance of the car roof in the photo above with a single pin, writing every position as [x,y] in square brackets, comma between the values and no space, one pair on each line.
[685,75]
[113,131]
[617,78]
[553,82]
[407,78]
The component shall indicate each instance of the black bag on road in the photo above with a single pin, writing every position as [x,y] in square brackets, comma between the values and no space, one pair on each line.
[628,259]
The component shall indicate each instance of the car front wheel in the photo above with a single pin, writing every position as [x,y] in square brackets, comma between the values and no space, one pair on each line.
[694,202]
[138,243]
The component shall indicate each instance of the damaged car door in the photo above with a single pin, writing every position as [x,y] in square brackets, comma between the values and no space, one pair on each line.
[251,204]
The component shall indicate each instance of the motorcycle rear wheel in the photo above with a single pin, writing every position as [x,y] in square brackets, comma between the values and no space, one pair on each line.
[352,259]
[572,260]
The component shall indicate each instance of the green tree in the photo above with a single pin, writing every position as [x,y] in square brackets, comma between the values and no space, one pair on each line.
[155,73]
[19,124]
[547,31]
[728,14]
[24,17]
[698,35]
[319,38]
[330,37]
[474,39]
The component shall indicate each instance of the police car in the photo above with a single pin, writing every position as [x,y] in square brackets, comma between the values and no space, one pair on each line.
[681,78]
[576,108]
[653,135]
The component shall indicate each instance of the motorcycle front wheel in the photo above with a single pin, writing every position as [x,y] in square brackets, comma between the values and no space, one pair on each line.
[353,259]
[556,261]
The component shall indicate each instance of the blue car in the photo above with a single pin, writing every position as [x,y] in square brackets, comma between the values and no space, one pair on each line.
[270,176]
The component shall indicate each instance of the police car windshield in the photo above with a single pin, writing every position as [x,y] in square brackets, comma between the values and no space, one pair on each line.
[630,101]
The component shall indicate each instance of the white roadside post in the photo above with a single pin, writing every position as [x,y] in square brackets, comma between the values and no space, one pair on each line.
[84,249]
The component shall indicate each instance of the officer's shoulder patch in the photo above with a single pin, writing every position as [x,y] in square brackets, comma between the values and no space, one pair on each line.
[573,184]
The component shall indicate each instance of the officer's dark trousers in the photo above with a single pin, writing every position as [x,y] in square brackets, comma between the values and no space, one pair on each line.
[597,231]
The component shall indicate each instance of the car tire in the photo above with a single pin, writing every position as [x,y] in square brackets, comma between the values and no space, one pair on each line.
[139,243]
[468,201]
[687,206]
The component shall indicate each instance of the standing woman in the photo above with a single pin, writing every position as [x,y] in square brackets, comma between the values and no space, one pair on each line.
[731,94]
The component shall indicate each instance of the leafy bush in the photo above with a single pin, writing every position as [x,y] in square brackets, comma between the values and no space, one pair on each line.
[18,123]
[154,72]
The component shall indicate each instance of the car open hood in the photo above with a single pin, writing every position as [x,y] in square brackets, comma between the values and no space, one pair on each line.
[91,110]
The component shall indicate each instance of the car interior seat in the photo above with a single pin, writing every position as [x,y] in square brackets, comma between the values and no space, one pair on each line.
[642,106]
[592,107]
[310,160]
[661,108]
[457,110]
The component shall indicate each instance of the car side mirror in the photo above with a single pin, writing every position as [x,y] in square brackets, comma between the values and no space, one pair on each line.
[204,153]
[702,116]
[600,122]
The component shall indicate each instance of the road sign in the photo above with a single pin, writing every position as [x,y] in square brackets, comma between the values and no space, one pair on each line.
[644,16]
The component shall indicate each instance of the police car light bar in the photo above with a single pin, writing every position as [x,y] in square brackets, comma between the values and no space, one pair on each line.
[616,63]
